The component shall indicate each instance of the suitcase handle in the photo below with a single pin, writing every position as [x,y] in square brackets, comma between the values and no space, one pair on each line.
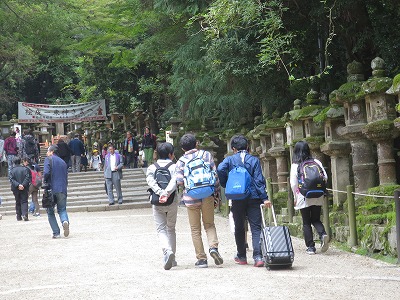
[262,214]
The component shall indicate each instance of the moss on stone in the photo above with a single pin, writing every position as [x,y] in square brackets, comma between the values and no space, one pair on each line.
[307,111]
[275,123]
[396,82]
[347,93]
[383,126]
[375,85]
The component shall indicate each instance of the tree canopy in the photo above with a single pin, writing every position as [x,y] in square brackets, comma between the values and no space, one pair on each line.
[199,59]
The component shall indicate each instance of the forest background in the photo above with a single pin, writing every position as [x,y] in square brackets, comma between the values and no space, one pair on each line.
[229,60]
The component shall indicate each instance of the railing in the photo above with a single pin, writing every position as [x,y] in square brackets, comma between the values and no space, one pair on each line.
[353,240]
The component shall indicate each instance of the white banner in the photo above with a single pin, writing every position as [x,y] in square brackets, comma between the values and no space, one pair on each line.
[45,113]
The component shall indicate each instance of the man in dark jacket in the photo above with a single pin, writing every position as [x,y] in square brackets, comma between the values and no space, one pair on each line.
[20,178]
[77,150]
[249,207]
[55,176]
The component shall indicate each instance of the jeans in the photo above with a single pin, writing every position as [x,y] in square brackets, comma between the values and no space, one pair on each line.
[203,212]
[10,162]
[61,202]
[311,215]
[76,163]
[251,209]
[165,219]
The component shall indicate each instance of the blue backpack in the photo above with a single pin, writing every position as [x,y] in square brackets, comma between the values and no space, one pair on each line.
[239,181]
[199,177]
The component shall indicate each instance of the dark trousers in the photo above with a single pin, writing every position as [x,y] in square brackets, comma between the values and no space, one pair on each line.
[311,215]
[131,158]
[21,202]
[251,209]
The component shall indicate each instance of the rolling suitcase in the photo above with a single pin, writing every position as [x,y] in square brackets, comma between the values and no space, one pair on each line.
[276,244]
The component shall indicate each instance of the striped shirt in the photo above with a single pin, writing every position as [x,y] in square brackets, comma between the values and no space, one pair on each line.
[180,165]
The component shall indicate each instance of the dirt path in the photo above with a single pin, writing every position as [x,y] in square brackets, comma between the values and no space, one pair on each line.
[115,255]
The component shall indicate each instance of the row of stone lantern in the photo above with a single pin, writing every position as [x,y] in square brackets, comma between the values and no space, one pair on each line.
[359,121]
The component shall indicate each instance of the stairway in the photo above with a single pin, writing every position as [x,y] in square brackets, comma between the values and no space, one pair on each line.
[86,192]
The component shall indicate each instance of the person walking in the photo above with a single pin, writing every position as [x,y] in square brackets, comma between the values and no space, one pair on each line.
[310,208]
[250,206]
[64,151]
[11,149]
[55,177]
[199,209]
[30,147]
[131,150]
[149,144]
[165,213]
[36,183]
[20,179]
[113,164]
[77,151]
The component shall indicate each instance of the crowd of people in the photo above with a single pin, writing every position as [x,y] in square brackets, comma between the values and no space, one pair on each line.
[195,172]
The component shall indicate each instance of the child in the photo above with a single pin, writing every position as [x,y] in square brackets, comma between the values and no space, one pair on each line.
[249,207]
[310,208]
[165,216]
[95,161]
[199,210]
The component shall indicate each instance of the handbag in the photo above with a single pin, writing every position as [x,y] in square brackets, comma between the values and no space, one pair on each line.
[48,199]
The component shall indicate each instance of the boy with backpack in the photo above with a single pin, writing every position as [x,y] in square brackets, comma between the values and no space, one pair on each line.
[195,170]
[248,191]
[161,179]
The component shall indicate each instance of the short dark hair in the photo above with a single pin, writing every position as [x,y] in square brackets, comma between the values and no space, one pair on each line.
[239,142]
[13,133]
[301,152]
[53,148]
[188,142]
[164,150]
[26,159]
[17,160]
[76,135]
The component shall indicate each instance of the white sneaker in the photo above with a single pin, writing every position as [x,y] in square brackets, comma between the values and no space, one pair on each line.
[324,243]
[169,258]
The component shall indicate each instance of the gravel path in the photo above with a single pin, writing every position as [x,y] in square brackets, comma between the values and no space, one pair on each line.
[116,255]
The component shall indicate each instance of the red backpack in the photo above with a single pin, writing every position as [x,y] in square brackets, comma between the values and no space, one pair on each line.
[36,179]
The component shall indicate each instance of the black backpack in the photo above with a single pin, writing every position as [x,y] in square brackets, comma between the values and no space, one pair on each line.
[163,177]
[30,145]
[311,181]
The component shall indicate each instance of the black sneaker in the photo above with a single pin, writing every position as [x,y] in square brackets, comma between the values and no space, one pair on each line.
[216,256]
[25,218]
[311,250]
[201,263]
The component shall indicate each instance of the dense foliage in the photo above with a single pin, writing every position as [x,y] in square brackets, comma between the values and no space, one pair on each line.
[228,60]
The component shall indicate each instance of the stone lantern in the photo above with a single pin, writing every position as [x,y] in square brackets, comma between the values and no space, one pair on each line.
[5,126]
[380,108]
[355,116]
[208,145]
[278,151]
[268,162]
[339,150]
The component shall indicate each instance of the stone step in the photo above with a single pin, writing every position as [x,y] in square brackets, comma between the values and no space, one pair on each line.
[86,192]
